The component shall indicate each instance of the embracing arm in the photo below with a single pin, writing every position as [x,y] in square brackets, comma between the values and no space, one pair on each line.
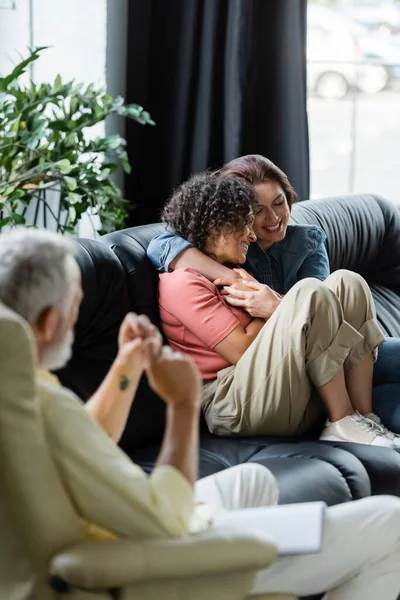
[193,258]
[168,252]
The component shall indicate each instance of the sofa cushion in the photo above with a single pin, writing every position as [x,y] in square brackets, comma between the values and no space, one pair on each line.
[305,471]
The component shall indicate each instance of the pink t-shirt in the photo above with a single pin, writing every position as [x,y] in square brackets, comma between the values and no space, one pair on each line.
[195,318]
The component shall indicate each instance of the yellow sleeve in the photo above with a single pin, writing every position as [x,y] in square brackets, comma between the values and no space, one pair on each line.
[107,488]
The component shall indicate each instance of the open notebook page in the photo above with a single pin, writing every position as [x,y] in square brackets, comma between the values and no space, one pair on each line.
[295,528]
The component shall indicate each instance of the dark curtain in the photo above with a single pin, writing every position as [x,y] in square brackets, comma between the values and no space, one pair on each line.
[221,78]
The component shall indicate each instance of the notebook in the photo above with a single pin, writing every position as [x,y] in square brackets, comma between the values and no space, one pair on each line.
[295,528]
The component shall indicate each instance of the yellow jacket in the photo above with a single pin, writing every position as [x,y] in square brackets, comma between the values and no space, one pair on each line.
[108,489]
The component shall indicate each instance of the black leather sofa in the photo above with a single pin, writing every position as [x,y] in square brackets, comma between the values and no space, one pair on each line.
[363,235]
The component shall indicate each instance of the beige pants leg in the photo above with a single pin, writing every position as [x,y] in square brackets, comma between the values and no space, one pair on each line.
[359,310]
[302,345]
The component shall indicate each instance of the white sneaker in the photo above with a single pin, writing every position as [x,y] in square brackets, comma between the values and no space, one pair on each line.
[393,437]
[357,429]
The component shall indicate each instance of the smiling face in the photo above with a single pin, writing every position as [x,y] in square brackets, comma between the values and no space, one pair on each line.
[231,246]
[271,215]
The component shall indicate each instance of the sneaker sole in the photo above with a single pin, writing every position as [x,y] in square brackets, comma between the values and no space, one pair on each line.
[332,438]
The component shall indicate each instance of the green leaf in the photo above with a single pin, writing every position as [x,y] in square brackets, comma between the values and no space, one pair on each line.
[73,198]
[71,182]
[72,213]
[57,84]
[74,104]
[125,164]
[114,141]
[18,219]
[7,191]
[33,143]
[117,102]
[5,221]
[15,124]
[63,165]
[20,68]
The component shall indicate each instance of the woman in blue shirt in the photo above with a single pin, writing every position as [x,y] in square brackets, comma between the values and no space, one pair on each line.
[282,255]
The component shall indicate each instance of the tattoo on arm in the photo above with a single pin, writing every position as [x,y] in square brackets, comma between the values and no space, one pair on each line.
[124,383]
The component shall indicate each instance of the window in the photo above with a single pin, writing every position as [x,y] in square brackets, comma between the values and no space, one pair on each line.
[353,53]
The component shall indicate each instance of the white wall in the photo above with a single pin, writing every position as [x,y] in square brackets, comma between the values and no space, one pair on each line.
[75,30]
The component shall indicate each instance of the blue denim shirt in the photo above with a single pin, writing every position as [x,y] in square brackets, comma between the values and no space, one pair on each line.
[300,254]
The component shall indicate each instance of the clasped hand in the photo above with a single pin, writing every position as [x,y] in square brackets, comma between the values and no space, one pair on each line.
[172,376]
[243,291]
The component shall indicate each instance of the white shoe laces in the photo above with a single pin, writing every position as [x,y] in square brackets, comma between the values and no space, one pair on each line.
[380,426]
[365,423]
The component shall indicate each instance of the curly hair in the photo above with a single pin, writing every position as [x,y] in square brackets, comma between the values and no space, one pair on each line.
[206,203]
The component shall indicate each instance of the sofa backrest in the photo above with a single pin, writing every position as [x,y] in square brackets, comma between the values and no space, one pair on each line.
[130,246]
[363,234]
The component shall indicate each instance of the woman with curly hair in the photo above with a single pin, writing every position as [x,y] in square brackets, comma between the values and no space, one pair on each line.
[267,375]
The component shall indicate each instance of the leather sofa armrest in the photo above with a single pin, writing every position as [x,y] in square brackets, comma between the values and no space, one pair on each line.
[117,563]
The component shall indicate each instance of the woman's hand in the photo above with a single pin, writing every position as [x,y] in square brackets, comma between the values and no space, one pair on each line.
[257,299]
[238,275]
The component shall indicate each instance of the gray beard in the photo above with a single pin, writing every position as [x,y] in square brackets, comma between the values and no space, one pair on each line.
[56,357]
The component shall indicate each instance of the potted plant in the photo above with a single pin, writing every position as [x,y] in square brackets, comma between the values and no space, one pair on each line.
[46,152]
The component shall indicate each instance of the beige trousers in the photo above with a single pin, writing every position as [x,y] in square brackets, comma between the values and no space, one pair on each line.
[361,547]
[318,328]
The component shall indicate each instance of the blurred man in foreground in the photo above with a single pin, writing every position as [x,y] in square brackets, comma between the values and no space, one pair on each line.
[40,280]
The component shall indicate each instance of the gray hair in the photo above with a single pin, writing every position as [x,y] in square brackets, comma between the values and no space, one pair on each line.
[35,271]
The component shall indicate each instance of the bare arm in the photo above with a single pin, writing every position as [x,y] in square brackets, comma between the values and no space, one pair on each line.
[193,258]
[111,403]
[236,343]
[176,380]
[180,444]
